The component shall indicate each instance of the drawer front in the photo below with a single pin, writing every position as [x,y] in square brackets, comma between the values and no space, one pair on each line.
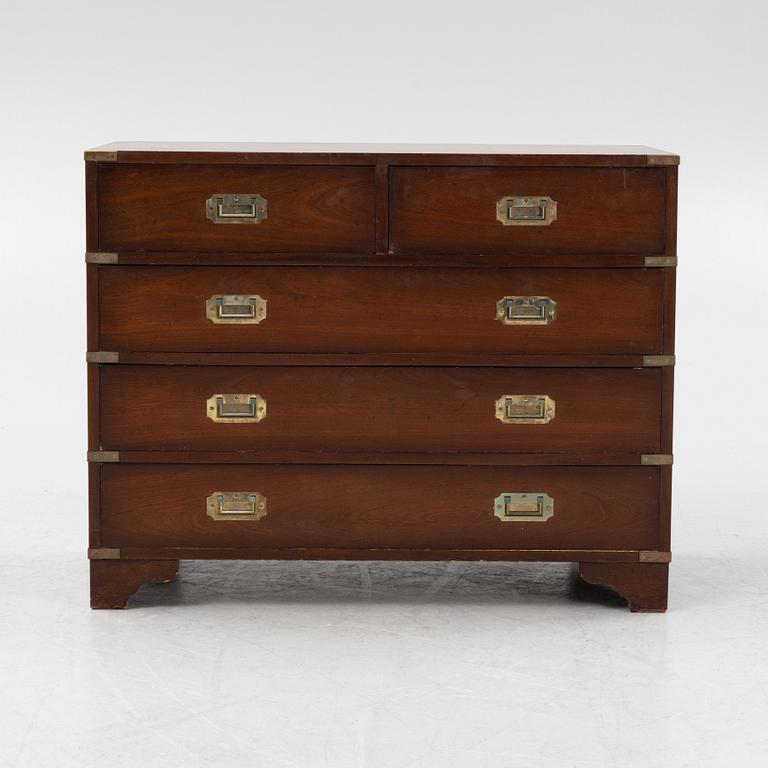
[383,309]
[598,211]
[165,208]
[315,408]
[393,507]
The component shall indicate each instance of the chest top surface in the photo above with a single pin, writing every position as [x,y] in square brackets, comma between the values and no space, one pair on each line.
[500,154]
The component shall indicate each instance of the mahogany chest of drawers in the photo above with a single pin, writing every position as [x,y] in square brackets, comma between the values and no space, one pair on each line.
[380,352]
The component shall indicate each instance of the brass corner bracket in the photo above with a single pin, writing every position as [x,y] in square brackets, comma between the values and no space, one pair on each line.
[100,257]
[656,459]
[103,553]
[653,556]
[660,261]
[658,361]
[100,155]
[102,357]
[104,457]
[663,159]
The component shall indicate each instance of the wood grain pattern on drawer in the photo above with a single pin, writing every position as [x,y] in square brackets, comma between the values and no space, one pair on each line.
[384,309]
[314,408]
[381,507]
[298,208]
[598,210]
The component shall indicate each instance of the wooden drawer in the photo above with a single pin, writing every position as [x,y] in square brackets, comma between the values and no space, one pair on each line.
[380,310]
[373,409]
[394,507]
[163,208]
[599,210]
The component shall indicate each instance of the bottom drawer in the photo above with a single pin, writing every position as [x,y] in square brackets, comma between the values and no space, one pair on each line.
[381,507]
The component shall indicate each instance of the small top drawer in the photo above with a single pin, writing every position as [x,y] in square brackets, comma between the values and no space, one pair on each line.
[527,210]
[227,208]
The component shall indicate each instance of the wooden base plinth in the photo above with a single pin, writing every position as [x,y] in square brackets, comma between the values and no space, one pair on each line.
[114,581]
[642,585]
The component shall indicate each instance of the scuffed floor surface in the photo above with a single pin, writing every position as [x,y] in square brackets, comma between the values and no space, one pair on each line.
[387,665]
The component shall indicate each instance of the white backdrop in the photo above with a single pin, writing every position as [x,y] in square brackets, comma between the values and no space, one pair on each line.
[686,76]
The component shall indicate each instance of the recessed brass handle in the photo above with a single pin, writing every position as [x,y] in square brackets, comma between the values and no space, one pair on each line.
[525,409]
[236,209]
[236,309]
[236,505]
[526,211]
[528,507]
[526,310]
[236,409]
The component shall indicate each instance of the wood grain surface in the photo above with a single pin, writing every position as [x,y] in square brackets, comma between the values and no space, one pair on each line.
[453,210]
[143,207]
[380,309]
[379,507]
[380,409]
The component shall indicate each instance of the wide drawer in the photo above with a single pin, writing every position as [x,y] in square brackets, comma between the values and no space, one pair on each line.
[384,309]
[457,210]
[394,507]
[314,408]
[176,207]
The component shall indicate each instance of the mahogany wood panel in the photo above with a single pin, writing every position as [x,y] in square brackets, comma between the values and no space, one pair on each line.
[91,206]
[453,210]
[143,207]
[94,497]
[381,309]
[379,507]
[380,409]
[668,377]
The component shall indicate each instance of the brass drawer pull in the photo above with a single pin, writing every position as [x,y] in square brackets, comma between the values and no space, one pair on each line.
[236,505]
[227,308]
[530,507]
[525,409]
[526,310]
[526,211]
[236,409]
[236,209]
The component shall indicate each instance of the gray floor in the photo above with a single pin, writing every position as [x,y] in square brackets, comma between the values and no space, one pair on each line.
[390,665]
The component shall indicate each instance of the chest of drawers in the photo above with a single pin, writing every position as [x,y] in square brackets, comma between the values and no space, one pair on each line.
[380,352]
